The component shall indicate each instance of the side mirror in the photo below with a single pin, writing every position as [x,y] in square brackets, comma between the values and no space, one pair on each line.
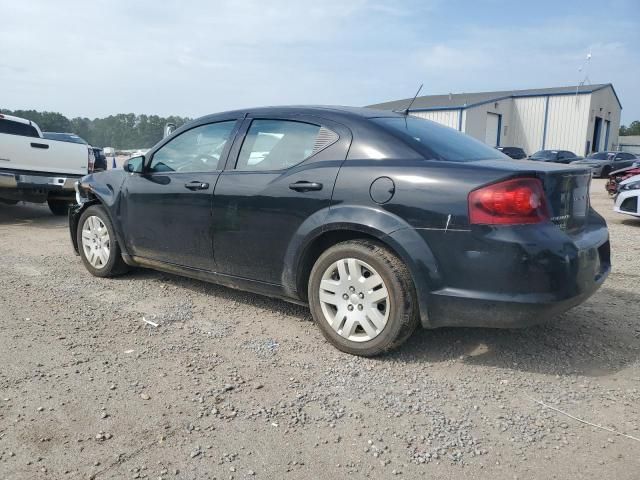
[134,164]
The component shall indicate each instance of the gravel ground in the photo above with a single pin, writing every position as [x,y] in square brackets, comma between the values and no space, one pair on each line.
[232,385]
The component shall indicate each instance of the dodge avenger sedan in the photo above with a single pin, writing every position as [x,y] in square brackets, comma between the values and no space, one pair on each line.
[379,221]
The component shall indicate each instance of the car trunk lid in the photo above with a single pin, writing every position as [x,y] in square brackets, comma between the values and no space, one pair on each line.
[566,189]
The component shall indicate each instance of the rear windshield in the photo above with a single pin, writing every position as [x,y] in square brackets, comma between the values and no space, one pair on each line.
[437,141]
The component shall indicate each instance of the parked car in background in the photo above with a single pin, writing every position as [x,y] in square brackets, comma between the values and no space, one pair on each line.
[100,159]
[556,156]
[628,197]
[38,169]
[603,163]
[514,152]
[618,176]
[324,213]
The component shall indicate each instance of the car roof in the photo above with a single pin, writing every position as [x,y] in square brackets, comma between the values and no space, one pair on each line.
[324,110]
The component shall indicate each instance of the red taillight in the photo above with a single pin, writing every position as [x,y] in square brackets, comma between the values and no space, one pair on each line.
[511,202]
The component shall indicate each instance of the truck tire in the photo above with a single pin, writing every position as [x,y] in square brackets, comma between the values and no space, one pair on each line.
[362,297]
[59,207]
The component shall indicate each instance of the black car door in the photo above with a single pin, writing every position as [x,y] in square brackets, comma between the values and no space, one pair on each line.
[166,209]
[280,173]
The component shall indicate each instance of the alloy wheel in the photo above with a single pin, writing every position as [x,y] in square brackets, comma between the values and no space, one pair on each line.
[96,242]
[354,300]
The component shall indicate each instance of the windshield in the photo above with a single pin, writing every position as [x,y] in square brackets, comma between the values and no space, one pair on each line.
[599,156]
[545,154]
[437,141]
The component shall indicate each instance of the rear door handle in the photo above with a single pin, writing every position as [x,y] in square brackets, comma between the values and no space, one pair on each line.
[195,185]
[305,186]
[39,145]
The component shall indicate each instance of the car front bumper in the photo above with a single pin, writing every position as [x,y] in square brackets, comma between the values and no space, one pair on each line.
[628,202]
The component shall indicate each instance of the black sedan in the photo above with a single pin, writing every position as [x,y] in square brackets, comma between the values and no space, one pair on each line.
[380,222]
[556,156]
[513,152]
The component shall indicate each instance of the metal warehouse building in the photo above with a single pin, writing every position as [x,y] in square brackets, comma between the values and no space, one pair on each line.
[582,119]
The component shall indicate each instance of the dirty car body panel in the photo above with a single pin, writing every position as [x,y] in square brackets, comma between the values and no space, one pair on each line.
[258,230]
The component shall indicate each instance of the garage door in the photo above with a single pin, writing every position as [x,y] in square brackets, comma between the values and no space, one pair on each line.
[493,125]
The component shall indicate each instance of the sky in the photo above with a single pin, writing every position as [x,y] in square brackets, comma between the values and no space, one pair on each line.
[194,57]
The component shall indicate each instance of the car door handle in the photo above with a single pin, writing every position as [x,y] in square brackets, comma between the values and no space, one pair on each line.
[305,186]
[196,185]
[39,145]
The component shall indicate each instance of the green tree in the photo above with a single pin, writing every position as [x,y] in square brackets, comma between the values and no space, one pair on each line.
[122,131]
[632,129]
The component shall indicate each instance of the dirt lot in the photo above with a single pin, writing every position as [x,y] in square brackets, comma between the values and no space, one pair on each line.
[233,385]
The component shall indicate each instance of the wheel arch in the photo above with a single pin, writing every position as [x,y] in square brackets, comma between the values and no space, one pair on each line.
[385,229]
[95,194]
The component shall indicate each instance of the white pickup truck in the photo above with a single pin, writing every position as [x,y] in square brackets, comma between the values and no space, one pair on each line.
[36,169]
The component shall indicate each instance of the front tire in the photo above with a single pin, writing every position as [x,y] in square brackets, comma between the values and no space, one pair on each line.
[605,172]
[362,297]
[58,207]
[97,244]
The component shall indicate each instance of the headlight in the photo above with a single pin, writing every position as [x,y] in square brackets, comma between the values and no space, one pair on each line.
[79,198]
[631,186]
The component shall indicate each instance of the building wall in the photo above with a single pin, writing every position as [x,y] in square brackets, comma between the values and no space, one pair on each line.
[567,121]
[604,105]
[445,117]
[526,128]
[629,143]
[570,121]
[475,119]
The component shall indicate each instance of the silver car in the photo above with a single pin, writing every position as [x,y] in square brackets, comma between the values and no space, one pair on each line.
[603,163]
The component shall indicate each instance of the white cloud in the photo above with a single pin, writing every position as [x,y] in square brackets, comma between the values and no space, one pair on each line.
[194,57]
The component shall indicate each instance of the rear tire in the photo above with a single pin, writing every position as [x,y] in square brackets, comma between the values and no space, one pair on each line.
[366,313]
[59,207]
[97,244]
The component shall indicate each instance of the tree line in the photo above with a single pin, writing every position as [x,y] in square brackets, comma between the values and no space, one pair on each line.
[128,130]
[632,129]
[122,131]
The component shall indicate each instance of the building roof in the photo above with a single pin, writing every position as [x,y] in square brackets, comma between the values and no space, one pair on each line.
[466,100]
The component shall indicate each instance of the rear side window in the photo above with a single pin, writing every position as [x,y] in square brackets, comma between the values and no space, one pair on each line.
[17,128]
[436,141]
[277,145]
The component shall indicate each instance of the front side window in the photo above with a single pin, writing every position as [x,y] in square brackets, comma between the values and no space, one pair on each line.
[196,150]
[276,145]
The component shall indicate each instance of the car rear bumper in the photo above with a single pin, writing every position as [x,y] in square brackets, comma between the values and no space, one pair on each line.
[515,277]
[30,187]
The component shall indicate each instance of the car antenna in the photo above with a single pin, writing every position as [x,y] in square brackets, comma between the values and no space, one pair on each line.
[406,110]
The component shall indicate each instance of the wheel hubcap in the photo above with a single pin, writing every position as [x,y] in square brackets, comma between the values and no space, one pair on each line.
[96,243]
[354,300]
